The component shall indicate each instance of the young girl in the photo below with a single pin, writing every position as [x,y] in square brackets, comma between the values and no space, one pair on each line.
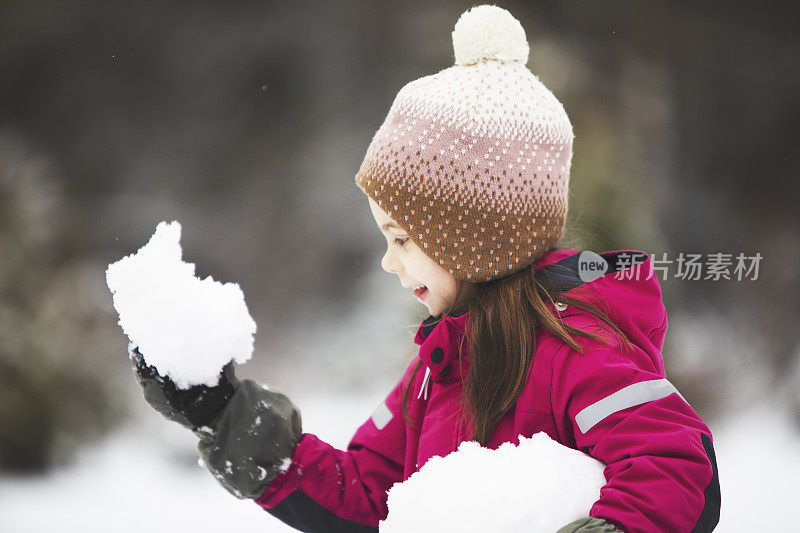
[467,180]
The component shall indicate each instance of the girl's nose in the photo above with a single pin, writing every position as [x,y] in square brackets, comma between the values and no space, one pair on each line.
[389,264]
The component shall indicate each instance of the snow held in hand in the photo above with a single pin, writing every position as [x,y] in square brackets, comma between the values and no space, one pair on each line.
[538,486]
[186,327]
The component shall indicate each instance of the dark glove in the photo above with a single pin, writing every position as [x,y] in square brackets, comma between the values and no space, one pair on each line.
[252,441]
[247,432]
[195,407]
[590,525]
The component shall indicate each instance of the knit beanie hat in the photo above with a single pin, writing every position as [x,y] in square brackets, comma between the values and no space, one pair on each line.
[473,162]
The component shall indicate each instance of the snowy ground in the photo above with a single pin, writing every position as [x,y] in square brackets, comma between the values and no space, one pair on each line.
[145,478]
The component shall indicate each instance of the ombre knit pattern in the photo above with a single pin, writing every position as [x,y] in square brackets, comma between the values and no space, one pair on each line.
[473,162]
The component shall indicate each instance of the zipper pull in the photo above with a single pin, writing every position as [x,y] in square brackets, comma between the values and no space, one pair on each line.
[424,387]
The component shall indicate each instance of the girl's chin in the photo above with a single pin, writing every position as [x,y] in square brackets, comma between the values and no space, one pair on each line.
[433,310]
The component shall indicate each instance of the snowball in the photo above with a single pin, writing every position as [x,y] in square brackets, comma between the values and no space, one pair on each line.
[489,32]
[187,328]
[538,486]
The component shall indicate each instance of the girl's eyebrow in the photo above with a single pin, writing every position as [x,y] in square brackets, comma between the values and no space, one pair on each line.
[388,225]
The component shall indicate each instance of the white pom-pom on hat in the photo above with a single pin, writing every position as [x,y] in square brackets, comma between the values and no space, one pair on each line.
[489,32]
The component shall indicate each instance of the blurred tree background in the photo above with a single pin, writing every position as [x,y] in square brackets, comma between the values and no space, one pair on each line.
[247,121]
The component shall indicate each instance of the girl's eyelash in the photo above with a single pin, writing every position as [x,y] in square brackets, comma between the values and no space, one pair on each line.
[400,241]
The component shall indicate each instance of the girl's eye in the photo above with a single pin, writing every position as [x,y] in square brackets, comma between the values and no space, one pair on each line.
[400,241]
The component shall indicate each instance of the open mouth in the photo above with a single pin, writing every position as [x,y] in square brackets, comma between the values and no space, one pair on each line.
[420,292]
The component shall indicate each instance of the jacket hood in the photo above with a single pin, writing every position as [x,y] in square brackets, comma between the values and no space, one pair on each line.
[628,290]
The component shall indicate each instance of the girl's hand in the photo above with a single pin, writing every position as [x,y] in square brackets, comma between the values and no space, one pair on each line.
[248,432]
[196,407]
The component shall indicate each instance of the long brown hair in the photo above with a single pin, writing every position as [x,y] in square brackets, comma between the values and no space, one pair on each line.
[505,315]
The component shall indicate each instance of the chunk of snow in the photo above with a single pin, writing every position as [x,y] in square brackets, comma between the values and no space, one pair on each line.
[538,486]
[186,327]
[206,430]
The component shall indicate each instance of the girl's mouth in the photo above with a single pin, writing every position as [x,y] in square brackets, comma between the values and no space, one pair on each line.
[421,292]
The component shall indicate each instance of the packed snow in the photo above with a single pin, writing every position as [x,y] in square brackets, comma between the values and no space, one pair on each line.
[186,327]
[538,486]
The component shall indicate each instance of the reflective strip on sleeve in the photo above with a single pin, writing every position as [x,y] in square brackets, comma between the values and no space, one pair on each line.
[636,394]
[381,416]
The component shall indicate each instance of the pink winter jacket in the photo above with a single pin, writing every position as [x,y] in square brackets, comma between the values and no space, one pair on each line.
[618,407]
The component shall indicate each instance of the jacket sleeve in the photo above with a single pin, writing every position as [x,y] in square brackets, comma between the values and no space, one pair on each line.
[617,406]
[330,490]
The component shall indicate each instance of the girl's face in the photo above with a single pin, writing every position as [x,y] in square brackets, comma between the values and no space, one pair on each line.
[435,287]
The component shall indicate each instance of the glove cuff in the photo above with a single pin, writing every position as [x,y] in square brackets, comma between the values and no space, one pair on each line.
[251,440]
